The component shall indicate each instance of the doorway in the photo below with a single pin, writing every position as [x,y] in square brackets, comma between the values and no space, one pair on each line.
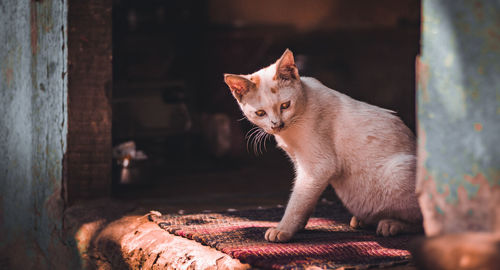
[172,108]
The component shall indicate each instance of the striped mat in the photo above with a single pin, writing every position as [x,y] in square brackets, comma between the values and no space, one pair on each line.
[327,242]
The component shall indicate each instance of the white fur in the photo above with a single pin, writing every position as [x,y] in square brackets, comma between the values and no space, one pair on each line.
[365,152]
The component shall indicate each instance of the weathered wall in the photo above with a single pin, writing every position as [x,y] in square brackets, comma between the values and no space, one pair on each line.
[53,142]
[33,127]
[459,116]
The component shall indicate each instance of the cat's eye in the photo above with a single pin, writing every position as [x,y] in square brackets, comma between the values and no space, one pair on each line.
[285,105]
[260,113]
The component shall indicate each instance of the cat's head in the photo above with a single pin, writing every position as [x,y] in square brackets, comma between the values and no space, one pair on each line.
[271,98]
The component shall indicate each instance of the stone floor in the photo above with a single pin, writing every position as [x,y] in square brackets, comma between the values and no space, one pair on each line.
[115,233]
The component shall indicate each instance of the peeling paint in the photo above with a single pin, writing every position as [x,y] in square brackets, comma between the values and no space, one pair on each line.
[439,210]
[7,67]
[34,27]
[458,114]
[32,131]
[9,73]
[422,70]
[478,10]
[478,126]
[440,216]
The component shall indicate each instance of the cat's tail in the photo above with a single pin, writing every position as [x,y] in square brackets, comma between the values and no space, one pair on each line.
[402,166]
[399,173]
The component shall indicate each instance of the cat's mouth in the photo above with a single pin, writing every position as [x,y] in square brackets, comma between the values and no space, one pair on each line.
[278,129]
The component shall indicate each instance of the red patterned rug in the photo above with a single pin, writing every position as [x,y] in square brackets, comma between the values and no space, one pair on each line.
[327,242]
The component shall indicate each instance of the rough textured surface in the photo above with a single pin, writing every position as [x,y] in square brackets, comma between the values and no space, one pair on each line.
[35,59]
[88,159]
[327,242]
[33,127]
[458,116]
[110,236]
[117,235]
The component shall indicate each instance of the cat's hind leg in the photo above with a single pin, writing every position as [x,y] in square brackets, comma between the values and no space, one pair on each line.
[391,227]
[356,223]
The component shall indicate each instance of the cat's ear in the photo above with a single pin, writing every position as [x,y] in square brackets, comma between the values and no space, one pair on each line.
[239,85]
[285,67]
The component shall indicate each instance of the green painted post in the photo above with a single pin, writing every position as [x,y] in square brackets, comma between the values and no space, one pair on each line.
[458,95]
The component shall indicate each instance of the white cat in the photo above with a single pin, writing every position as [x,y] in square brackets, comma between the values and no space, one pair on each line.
[365,152]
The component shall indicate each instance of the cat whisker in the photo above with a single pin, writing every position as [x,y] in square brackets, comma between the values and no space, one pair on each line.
[251,137]
[259,142]
[249,143]
[257,139]
[247,146]
[250,130]
[266,137]
[247,137]
[255,144]
[262,141]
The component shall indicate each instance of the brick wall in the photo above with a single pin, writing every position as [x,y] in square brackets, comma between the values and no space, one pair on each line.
[88,156]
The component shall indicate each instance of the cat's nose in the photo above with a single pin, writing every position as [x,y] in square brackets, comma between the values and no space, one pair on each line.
[277,125]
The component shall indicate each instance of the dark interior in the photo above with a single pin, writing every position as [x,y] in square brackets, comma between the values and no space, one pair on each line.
[170,99]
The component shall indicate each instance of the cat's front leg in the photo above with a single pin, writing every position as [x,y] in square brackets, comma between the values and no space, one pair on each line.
[306,191]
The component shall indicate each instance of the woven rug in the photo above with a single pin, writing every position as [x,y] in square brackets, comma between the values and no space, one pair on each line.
[327,242]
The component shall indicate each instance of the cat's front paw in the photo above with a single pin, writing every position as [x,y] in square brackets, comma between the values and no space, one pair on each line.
[275,235]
